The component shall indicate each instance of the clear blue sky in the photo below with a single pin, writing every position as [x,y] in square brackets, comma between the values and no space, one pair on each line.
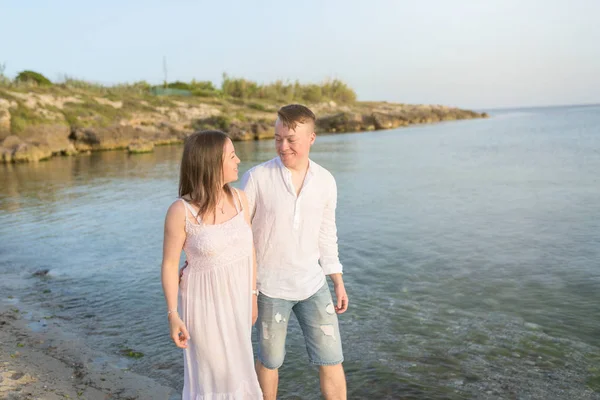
[470,53]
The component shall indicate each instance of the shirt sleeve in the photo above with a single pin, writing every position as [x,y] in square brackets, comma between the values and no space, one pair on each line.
[248,185]
[328,246]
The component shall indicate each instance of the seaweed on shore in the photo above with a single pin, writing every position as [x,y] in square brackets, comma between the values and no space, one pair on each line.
[131,353]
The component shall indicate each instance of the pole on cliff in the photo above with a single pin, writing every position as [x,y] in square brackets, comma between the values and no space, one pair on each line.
[165,70]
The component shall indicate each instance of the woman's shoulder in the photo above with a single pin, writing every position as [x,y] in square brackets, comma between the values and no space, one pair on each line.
[176,208]
[241,193]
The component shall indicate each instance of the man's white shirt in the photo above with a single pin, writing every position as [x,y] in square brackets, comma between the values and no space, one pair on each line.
[295,236]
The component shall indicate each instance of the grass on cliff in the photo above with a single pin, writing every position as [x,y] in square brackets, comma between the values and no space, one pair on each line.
[237,99]
[22,117]
[90,113]
[231,89]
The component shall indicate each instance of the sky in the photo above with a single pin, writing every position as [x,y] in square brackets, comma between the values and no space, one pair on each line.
[478,54]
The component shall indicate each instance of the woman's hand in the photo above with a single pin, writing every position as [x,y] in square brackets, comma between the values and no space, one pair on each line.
[179,332]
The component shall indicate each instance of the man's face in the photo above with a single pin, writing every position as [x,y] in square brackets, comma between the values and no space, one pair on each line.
[293,145]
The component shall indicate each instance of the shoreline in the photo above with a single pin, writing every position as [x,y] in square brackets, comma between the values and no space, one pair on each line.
[43,123]
[49,363]
[135,147]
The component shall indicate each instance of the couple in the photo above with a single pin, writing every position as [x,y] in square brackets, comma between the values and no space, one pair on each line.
[287,214]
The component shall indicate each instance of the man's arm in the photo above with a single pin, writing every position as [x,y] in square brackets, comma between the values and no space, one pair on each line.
[328,249]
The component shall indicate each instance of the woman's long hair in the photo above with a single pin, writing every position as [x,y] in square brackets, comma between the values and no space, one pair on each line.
[201,174]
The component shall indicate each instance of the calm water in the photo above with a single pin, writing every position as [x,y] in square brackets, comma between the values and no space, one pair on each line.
[471,253]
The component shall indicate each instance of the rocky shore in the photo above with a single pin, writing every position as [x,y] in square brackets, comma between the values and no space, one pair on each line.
[37,124]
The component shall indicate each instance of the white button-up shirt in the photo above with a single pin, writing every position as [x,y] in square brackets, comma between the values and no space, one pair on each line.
[292,234]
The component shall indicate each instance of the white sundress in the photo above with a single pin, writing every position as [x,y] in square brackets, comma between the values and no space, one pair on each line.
[217,309]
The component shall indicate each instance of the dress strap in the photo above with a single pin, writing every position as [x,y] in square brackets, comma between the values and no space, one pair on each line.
[192,211]
[237,208]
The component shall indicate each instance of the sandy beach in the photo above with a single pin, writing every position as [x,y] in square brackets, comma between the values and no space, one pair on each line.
[46,364]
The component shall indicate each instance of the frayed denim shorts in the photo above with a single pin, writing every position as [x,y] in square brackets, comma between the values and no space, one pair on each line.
[318,321]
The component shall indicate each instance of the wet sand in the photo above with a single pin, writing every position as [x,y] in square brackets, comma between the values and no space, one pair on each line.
[49,365]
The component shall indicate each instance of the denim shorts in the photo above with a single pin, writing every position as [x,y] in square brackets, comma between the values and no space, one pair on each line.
[317,319]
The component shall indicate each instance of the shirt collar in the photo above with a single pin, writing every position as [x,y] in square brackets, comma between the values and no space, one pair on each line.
[311,167]
[287,174]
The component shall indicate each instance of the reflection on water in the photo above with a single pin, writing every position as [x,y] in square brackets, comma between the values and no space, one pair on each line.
[471,253]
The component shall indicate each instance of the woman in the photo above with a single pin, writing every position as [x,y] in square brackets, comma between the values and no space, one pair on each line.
[211,223]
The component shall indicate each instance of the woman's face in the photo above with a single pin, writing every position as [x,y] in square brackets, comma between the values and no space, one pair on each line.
[230,163]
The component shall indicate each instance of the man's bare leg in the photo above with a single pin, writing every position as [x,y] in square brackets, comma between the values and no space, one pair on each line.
[268,380]
[333,382]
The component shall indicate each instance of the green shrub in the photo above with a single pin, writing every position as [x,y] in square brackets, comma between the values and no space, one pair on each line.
[205,93]
[258,106]
[312,93]
[240,116]
[239,88]
[338,91]
[73,83]
[4,81]
[286,92]
[220,122]
[33,77]
[179,85]
[202,85]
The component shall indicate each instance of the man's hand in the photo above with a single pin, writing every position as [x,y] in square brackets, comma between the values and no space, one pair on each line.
[181,270]
[342,297]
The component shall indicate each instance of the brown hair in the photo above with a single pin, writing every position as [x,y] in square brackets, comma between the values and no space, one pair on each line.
[294,114]
[201,173]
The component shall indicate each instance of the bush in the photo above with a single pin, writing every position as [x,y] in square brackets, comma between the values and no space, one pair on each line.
[115,91]
[338,91]
[286,92]
[202,85]
[258,106]
[33,77]
[312,93]
[220,122]
[3,78]
[179,85]
[239,88]
[142,86]
[197,88]
[205,93]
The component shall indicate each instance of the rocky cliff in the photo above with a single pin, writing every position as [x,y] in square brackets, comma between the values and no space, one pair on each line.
[37,124]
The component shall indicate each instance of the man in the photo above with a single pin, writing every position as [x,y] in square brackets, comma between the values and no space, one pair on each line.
[292,202]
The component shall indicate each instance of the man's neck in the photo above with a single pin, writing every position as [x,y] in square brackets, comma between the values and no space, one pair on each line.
[298,176]
[301,169]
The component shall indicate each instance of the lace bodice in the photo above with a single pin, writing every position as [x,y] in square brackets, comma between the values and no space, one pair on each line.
[211,246]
